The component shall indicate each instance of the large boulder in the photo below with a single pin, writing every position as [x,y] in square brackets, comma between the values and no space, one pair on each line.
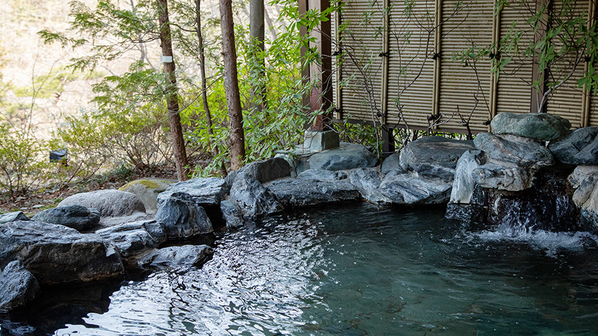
[56,254]
[347,156]
[367,181]
[252,197]
[180,258]
[147,190]
[13,216]
[205,192]
[181,217]
[263,171]
[410,188]
[295,192]
[133,238]
[511,161]
[231,215]
[538,126]
[77,217]
[584,180]
[519,151]
[434,157]
[17,286]
[580,147]
[110,203]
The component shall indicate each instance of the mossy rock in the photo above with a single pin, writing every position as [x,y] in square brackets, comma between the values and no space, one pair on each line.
[147,190]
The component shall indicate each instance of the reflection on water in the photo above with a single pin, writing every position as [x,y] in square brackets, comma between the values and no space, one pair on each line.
[361,270]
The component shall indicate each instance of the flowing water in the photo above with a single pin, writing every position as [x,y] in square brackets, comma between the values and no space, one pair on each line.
[363,270]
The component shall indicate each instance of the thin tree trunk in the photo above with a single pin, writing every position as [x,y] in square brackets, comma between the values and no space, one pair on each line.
[231,86]
[204,83]
[202,67]
[176,130]
[256,34]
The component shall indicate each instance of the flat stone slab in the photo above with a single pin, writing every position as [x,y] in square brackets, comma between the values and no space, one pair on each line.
[539,126]
[56,254]
[434,156]
[130,239]
[110,203]
[204,191]
[580,147]
[177,257]
[294,192]
[347,156]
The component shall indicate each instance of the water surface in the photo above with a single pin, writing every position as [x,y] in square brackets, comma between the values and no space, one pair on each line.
[363,270]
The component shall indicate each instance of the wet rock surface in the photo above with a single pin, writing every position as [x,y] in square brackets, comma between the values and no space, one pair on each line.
[56,254]
[231,215]
[294,192]
[130,239]
[180,258]
[17,286]
[367,181]
[412,189]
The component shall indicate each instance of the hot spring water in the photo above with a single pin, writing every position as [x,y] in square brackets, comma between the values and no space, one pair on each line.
[360,270]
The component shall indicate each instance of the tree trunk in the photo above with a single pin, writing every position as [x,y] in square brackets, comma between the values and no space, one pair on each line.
[176,130]
[256,34]
[202,67]
[231,86]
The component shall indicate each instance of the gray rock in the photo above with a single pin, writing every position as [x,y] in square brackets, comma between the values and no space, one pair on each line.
[367,181]
[392,162]
[495,176]
[580,147]
[539,126]
[322,175]
[177,257]
[129,239]
[263,171]
[519,151]
[110,203]
[181,217]
[13,216]
[252,197]
[294,192]
[231,215]
[347,156]
[206,192]
[464,184]
[56,254]
[584,180]
[77,217]
[410,188]
[17,286]
[147,190]
[434,157]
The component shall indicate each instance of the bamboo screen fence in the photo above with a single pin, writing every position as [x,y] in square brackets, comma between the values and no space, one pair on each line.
[395,64]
